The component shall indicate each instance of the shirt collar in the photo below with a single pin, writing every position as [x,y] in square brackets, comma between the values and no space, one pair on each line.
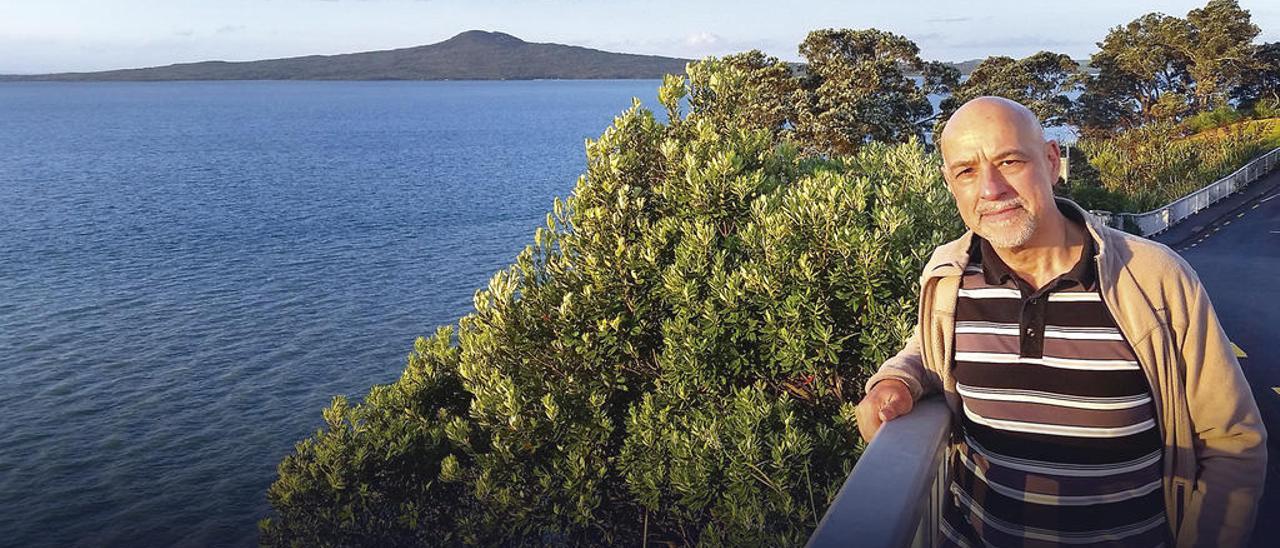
[996,272]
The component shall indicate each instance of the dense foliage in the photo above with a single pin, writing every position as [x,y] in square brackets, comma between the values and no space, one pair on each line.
[855,89]
[1150,166]
[1041,82]
[1163,68]
[1260,85]
[1156,119]
[674,358]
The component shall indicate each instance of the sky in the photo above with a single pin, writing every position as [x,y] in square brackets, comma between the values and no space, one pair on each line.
[85,35]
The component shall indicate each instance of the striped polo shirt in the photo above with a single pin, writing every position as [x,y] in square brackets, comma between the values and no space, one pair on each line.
[1060,445]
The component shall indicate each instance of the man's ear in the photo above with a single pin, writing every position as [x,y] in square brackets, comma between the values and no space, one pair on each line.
[1054,155]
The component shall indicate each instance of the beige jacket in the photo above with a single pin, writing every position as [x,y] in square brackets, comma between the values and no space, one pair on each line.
[1215,452]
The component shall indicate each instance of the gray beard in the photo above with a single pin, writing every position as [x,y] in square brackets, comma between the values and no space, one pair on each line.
[1010,234]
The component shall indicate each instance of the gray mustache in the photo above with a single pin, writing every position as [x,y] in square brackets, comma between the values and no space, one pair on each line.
[989,207]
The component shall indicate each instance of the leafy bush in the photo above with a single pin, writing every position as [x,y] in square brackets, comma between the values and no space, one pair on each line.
[1267,108]
[675,358]
[1096,198]
[1224,115]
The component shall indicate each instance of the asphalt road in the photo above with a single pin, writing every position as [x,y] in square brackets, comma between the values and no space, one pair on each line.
[1238,259]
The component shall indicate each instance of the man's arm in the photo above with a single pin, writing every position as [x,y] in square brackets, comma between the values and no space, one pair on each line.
[886,401]
[907,366]
[1229,437]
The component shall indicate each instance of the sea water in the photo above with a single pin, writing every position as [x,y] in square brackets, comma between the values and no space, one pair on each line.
[190,271]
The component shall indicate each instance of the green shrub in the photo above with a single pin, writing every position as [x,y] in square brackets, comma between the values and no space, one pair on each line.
[1224,115]
[1267,108]
[675,358]
[1152,165]
[1096,198]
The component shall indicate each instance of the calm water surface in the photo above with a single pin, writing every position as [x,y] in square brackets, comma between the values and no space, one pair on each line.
[190,271]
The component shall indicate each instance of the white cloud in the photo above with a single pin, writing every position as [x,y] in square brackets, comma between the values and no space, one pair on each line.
[703,40]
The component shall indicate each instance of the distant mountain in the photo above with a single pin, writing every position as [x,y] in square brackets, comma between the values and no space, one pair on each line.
[472,55]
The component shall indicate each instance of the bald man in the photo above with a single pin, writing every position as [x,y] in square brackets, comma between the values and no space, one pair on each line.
[1097,398]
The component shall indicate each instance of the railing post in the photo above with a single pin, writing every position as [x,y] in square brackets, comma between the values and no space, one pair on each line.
[893,497]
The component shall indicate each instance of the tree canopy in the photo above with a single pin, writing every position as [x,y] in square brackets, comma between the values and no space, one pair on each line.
[1142,73]
[1261,82]
[1164,68]
[1041,82]
[1219,47]
[855,90]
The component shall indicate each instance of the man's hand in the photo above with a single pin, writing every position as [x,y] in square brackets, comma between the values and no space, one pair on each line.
[887,400]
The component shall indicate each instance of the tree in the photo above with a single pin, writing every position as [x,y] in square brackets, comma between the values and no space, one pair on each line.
[1219,48]
[1098,114]
[1139,65]
[1040,81]
[855,90]
[674,358]
[1261,82]
[762,96]
[939,77]
[1162,68]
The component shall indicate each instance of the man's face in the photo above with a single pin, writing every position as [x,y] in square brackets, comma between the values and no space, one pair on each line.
[1001,173]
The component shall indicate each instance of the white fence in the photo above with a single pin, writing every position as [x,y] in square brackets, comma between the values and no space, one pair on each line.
[1162,218]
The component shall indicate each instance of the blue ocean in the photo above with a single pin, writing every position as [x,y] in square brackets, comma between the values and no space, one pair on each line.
[190,271]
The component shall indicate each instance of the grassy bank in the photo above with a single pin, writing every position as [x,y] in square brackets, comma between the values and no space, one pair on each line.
[1148,167]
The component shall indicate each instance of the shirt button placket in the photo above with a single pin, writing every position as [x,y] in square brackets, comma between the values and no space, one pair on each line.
[1033,312]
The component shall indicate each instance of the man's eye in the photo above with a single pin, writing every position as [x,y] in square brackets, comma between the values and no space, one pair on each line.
[1010,162]
[964,171]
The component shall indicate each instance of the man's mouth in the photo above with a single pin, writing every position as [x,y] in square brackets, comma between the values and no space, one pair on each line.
[1001,213]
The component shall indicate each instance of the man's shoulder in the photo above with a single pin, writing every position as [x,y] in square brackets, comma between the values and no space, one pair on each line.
[1135,266]
[953,253]
[1144,256]
[1145,259]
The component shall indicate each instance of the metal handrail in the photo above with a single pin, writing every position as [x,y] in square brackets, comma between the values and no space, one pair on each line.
[893,497]
[1161,218]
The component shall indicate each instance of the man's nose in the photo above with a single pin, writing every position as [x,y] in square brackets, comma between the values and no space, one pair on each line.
[994,186]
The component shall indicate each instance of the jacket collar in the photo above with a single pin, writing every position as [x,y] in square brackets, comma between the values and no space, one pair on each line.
[949,259]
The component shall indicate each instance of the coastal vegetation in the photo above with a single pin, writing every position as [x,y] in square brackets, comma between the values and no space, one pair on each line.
[676,356]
